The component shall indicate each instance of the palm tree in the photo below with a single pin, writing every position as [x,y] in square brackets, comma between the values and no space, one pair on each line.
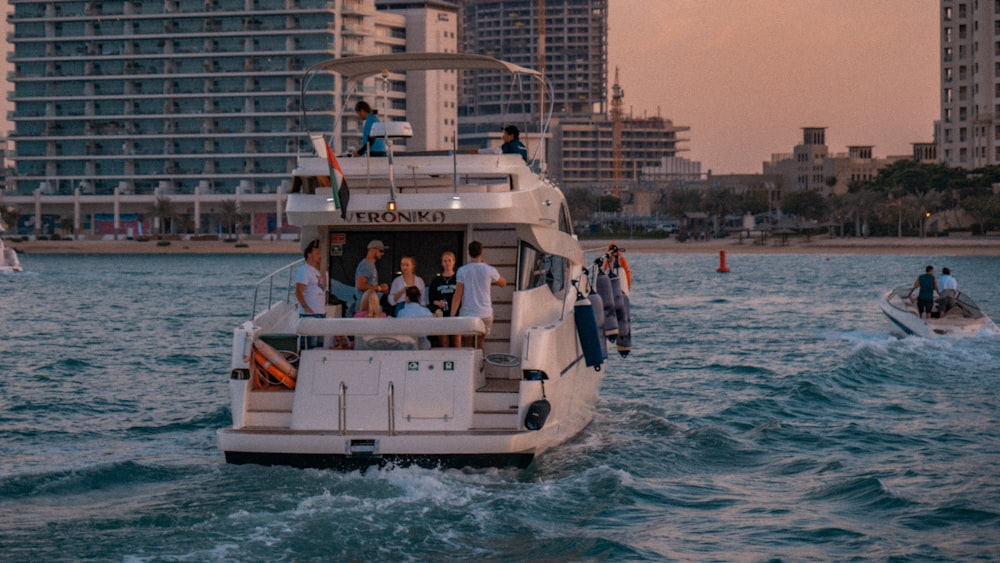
[720,201]
[230,215]
[66,225]
[755,202]
[984,209]
[185,223]
[580,202]
[163,210]
[924,204]
[863,200]
[806,204]
[681,201]
[840,208]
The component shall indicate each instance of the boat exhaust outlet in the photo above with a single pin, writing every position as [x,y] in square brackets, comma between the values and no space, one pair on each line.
[363,448]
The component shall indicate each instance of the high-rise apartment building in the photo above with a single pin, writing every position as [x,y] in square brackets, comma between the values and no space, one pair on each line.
[6,68]
[969,129]
[586,158]
[174,95]
[430,99]
[574,36]
[568,41]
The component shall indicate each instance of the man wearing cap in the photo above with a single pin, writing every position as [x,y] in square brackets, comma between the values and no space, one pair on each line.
[366,276]
[512,142]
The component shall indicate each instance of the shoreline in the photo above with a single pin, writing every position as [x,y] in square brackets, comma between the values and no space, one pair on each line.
[955,246]
[27,248]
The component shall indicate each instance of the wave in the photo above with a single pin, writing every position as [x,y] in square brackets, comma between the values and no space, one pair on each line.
[863,494]
[66,483]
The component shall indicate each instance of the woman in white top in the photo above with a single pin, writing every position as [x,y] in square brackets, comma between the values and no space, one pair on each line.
[408,277]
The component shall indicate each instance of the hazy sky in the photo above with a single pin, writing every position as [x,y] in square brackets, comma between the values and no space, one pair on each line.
[747,75]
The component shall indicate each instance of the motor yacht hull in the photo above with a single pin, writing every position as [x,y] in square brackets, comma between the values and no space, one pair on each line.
[372,392]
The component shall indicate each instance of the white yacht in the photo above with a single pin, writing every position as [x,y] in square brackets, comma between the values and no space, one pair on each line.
[963,318]
[371,394]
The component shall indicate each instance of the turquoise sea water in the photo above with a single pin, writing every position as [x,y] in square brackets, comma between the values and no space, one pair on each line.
[765,414]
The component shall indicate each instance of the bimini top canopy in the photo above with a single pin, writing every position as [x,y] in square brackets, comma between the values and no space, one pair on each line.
[359,68]
[356,69]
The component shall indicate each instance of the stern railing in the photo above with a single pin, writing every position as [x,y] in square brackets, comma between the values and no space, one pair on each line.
[268,283]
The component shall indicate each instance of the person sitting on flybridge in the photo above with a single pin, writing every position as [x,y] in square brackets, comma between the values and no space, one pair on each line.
[512,142]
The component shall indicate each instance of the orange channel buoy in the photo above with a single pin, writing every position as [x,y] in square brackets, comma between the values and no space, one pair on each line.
[723,269]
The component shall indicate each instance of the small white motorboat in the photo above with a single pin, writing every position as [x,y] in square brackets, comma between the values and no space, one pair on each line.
[962,318]
[8,257]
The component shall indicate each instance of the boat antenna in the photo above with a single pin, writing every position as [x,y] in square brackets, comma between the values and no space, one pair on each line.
[543,122]
[391,205]
[454,165]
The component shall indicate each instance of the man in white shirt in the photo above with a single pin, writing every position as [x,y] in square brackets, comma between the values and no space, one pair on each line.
[310,291]
[472,288]
[948,288]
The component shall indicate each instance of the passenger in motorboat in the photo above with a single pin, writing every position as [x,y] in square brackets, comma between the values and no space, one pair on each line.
[472,288]
[928,286]
[310,291]
[948,289]
[407,278]
[374,146]
[366,274]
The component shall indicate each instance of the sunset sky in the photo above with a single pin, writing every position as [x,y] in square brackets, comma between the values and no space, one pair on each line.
[747,75]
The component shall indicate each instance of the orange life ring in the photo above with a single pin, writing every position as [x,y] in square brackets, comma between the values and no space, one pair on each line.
[269,360]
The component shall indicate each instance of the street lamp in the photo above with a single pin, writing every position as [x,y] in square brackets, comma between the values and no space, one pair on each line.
[923,224]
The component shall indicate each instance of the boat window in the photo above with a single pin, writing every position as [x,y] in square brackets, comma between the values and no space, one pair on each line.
[538,268]
[565,220]
[308,184]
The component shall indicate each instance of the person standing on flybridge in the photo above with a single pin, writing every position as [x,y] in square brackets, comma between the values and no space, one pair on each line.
[472,288]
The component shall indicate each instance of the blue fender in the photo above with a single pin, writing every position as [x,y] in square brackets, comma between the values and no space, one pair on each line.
[607,297]
[586,329]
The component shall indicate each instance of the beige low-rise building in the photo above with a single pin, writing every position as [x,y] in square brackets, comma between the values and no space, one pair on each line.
[811,166]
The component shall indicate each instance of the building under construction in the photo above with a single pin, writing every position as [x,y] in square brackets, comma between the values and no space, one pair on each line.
[587,155]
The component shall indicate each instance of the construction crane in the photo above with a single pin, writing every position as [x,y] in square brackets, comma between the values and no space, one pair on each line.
[617,118]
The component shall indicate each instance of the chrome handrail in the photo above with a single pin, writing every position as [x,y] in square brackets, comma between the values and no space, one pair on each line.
[342,406]
[268,280]
[391,399]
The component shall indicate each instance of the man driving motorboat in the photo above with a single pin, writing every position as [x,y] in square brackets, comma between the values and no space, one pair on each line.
[928,286]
